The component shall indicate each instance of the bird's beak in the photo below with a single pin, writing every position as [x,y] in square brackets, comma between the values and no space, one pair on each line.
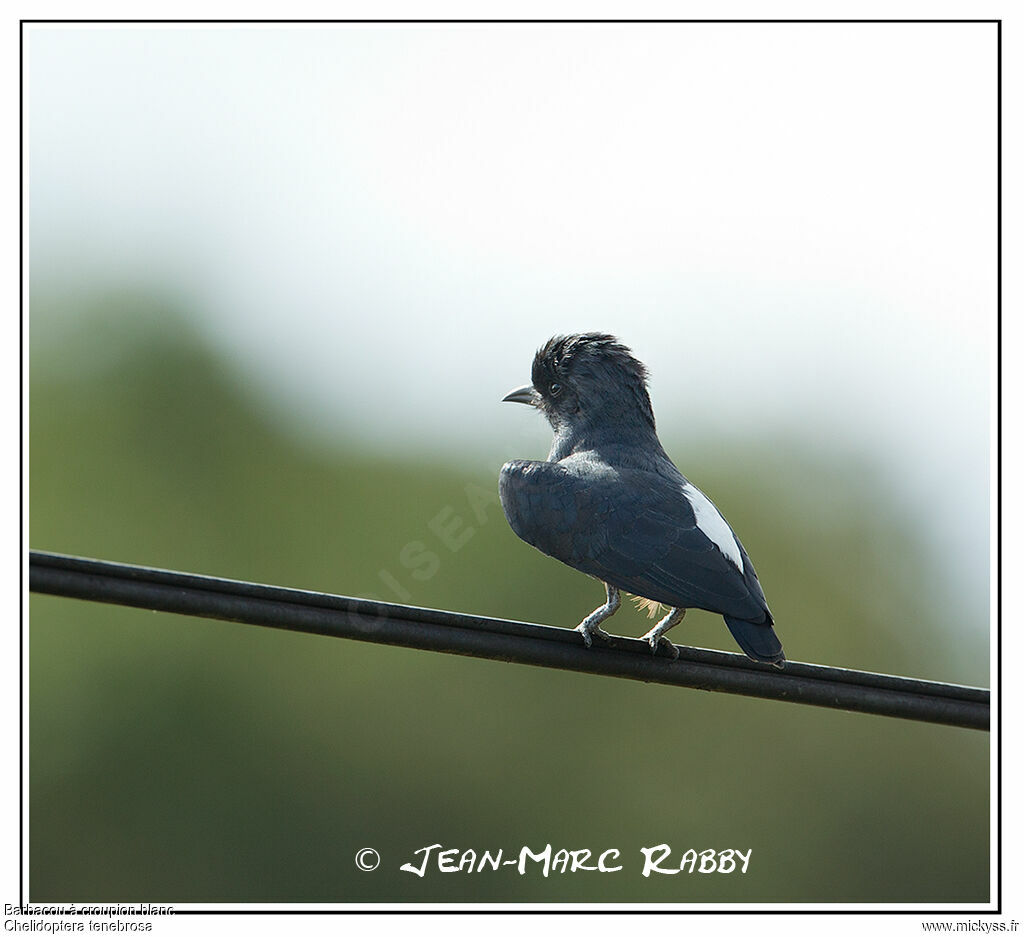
[525,394]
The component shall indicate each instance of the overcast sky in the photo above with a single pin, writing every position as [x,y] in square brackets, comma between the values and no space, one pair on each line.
[793,225]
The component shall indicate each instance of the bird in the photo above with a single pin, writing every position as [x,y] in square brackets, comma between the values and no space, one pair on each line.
[609,502]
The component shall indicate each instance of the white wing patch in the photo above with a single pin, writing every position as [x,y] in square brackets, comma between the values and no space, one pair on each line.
[713,525]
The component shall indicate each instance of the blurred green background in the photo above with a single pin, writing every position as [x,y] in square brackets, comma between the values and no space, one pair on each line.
[179,759]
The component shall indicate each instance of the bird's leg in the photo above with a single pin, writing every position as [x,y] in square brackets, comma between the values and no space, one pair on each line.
[654,636]
[591,625]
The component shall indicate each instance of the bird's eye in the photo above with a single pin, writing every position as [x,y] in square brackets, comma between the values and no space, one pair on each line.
[555,389]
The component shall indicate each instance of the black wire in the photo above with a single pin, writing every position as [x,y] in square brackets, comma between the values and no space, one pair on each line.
[499,639]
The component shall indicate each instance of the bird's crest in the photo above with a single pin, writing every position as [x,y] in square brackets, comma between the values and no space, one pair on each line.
[597,357]
[557,355]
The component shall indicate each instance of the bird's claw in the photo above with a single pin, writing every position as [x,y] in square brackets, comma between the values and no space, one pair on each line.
[654,639]
[590,633]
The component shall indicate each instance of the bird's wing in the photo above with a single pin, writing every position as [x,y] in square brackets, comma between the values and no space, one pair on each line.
[634,529]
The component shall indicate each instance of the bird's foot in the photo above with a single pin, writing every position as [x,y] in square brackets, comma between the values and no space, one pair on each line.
[593,631]
[654,638]
[590,627]
[656,635]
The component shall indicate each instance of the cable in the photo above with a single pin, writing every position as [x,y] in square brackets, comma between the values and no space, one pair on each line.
[498,639]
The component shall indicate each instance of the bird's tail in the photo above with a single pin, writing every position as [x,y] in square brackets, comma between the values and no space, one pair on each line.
[758,640]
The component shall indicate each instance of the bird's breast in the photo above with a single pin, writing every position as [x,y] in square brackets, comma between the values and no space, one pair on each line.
[540,508]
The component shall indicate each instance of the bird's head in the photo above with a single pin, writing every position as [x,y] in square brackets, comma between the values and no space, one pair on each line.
[583,380]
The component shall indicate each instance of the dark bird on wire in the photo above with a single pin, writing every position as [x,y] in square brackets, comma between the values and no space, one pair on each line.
[609,502]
